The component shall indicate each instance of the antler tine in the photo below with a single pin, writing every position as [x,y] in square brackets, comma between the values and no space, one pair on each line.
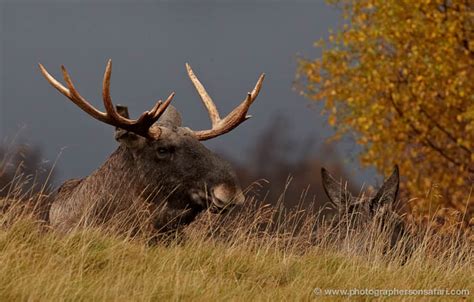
[251,96]
[156,107]
[234,118]
[71,93]
[79,100]
[53,81]
[206,99]
[239,114]
[148,118]
[107,99]
[156,113]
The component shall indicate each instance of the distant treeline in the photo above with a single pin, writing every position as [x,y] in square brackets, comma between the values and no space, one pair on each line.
[23,170]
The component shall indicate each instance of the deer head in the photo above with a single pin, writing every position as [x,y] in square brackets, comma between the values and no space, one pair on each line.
[364,212]
[157,153]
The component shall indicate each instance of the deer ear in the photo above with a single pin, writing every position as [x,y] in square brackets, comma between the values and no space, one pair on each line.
[387,194]
[127,138]
[335,190]
[171,117]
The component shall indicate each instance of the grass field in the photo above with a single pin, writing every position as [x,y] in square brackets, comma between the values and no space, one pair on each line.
[237,260]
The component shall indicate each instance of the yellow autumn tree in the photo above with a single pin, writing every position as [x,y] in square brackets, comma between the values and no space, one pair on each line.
[399,77]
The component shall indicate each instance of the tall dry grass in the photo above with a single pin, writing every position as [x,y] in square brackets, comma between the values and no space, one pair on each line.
[255,252]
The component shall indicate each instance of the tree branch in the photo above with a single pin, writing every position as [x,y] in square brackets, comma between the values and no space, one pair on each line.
[426,140]
[448,134]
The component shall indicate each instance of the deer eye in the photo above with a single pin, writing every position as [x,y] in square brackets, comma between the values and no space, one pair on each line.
[164,152]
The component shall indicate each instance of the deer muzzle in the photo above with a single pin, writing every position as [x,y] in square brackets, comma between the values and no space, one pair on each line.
[225,196]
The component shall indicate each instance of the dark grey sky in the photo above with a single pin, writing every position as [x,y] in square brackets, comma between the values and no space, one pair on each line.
[227,43]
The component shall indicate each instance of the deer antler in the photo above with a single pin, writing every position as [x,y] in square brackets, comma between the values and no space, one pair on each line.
[233,119]
[141,126]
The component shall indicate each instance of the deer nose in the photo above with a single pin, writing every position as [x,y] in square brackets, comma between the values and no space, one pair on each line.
[224,195]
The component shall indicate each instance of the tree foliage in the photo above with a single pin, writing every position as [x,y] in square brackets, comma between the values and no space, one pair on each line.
[399,77]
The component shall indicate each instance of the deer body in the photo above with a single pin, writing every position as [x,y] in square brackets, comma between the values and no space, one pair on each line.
[126,179]
[159,167]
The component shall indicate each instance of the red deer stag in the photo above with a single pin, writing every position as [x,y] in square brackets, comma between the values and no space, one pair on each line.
[158,162]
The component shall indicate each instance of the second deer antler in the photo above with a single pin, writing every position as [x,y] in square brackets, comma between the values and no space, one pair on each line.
[233,119]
